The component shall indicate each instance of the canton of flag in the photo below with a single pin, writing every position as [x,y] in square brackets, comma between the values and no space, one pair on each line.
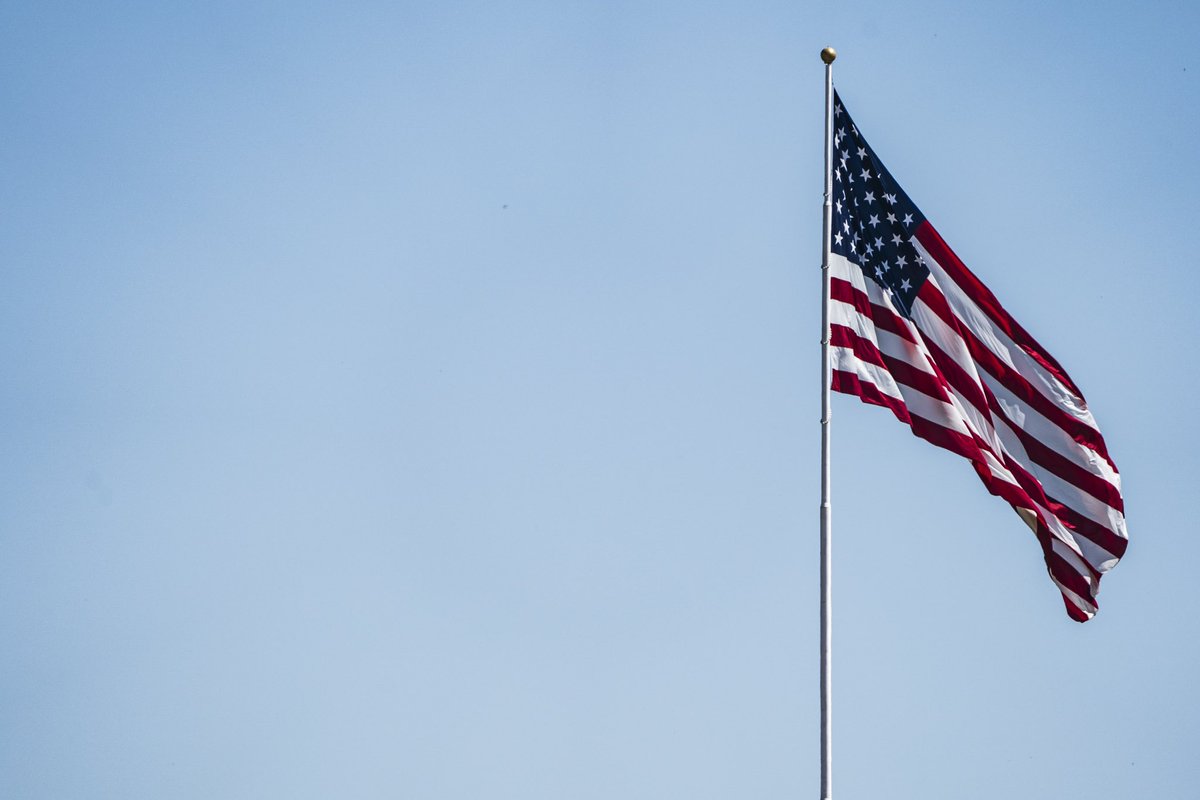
[914,330]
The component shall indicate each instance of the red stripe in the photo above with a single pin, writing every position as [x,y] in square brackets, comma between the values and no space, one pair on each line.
[964,446]
[1087,528]
[965,386]
[1062,467]
[1075,612]
[1066,574]
[1036,495]
[1072,520]
[1032,489]
[1028,491]
[884,318]
[849,383]
[902,371]
[1056,564]
[955,442]
[864,349]
[969,447]
[960,443]
[1042,455]
[1083,434]
[1017,496]
[933,243]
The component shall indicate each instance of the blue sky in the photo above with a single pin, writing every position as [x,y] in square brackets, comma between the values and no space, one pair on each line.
[421,401]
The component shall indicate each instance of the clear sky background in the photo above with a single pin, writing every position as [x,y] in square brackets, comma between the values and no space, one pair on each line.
[420,401]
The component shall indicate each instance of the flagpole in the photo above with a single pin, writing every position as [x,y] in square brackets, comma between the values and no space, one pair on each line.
[827,55]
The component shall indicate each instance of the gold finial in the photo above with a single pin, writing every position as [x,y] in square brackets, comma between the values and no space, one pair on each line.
[828,55]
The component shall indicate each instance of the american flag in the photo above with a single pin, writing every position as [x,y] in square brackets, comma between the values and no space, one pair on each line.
[912,329]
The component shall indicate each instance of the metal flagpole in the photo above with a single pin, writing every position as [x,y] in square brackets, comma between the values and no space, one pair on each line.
[827,55]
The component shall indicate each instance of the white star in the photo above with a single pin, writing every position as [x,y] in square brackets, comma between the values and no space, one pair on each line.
[837,111]
[846,225]
[837,237]
[862,153]
[905,285]
[901,261]
[873,221]
[896,238]
[891,218]
[870,251]
[886,266]
[879,243]
[908,219]
[866,173]
[869,197]
[891,198]
[879,272]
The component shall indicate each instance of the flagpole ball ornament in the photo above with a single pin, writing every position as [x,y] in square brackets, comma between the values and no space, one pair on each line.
[828,55]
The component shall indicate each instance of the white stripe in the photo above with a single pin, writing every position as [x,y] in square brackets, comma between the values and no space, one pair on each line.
[918,403]
[1096,555]
[1046,432]
[1083,503]
[844,360]
[847,270]
[951,343]
[1032,422]
[935,411]
[1075,562]
[977,320]
[1015,410]
[1086,606]
[963,418]
[914,354]
[918,356]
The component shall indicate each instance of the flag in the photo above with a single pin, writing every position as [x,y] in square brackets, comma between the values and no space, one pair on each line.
[913,330]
